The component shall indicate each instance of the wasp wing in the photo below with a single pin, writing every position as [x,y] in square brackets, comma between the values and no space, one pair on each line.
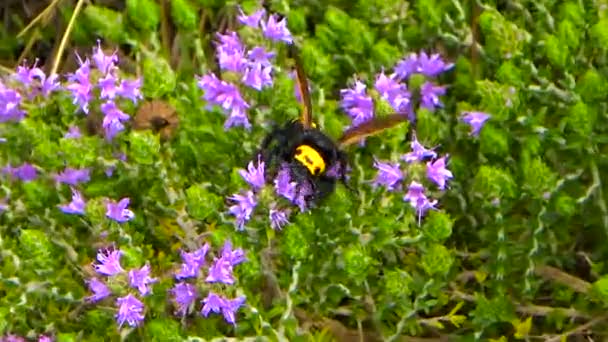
[302,87]
[371,127]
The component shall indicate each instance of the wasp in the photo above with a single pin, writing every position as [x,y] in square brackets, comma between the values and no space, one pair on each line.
[315,161]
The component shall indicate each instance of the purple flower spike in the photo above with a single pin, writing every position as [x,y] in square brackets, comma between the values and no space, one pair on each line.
[184,295]
[26,172]
[255,176]
[212,303]
[234,257]
[243,208]
[230,52]
[228,96]
[10,102]
[415,195]
[357,104]
[140,279]
[283,184]
[276,29]
[432,65]
[118,211]
[230,307]
[278,218]
[220,272]
[430,95]
[407,66]
[130,310]
[130,89]
[419,152]
[99,289]
[437,172]
[257,76]
[76,206]
[394,92]
[107,84]
[103,62]
[476,120]
[73,176]
[252,20]
[109,262]
[112,121]
[259,55]
[80,85]
[192,262]
[389,175]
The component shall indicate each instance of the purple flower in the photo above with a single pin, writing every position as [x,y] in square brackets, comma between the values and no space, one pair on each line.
[259,55]
[184,295]
[220,271]
[212,302]
[419,152]
[107,84]
[73,133]
[230,307]
[407,66]
[278,218]
[389,175]
[432,65]
[109,262]
[243,208]
[228,96]
[192,262]
[255,176]
[357,104]
[118,211]
[437,172]
[257,76]
[73,176]
[35,79]
[76,206]
[44,338]
[252,20]
[99,289]
[415,195]
[230,52]
[10,102]
[394,92]
[27,75]
[430,95]
[276,29]
[103,62]
[80,85]
[12,338]
[235,256]
[26,172]
[112,121]
[140,279]
[129,310]
[130,89]
[283,184]
[476,120]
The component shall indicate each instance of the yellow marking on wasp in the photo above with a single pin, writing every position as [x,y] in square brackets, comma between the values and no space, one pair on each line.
[311,159]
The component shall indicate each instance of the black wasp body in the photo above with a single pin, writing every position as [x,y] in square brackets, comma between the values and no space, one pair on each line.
[313,159]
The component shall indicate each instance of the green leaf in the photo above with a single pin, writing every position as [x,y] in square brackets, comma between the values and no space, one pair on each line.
[437,226]
[144,14]
[104,22]
[437,260]
[145,147]
[184,14]
[159,78]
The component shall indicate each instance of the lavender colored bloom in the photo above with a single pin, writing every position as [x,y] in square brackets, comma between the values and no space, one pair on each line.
[192,262]
[430,95]
[12,338]
[437,172]
[389,175]
[34,78]
[220,271]
[184,295]
[10,101]
[130,89]
[99,289]
[259,55]
[243,208]
[129,310]
[73,133]
[230,307]
[228,96]
[252,20]
[118,211]
[80,85]
[112,121]
[26,172]
[44,338]
[255,176]
[394,92]
[107,84]
[230,52]
[73,176]
[27,75]
[419,152]
[234,257]
[476,120]
[109,262]
[257,76]
[304,191]
[357,104]
[283,184]
[407,66]
[278,218]
[140,279]
[76,206]
[418,200]
[103,62]
[212,302]
[276,29]
[432,65]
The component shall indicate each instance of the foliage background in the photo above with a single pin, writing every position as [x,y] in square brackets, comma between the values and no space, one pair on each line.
[517,250]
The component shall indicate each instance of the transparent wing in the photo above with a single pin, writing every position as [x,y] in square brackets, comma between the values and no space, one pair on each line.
[302,86]
[370,128]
